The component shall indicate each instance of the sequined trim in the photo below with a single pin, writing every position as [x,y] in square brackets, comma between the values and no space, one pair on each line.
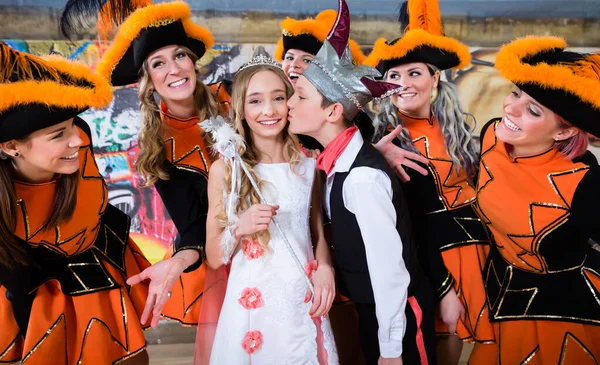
[347,92]
[193,169]
[28,235]
[588,282]
[471,240]
[446,286]
[175,160]
[9,349]
[531,355]
[107,230]
[160,23]
[505,283]
[60,320]
[438,181]
[124,347]
[390,93]
[563,351]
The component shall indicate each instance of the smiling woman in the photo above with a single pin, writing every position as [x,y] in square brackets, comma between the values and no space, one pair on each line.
[63,293]
[538,193]
[173,73]
[48,151]
[158,46]
[435,126]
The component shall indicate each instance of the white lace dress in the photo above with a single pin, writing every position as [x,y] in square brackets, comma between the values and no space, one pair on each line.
[264,319]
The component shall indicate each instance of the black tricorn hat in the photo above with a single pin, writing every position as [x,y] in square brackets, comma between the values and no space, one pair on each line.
[36,93]
[423,41]
[567,83]
[143,27]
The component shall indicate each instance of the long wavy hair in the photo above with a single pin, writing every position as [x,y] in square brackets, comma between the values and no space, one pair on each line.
[456,126]
[152,146]
[12,252]
[251,155]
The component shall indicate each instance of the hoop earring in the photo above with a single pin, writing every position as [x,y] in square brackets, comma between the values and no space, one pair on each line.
[16,154]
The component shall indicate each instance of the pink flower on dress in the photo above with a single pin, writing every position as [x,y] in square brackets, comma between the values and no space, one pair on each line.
[252,341]
[311,266]
[252,249]
[251,298]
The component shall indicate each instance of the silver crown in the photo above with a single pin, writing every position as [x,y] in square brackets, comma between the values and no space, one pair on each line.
[260,57]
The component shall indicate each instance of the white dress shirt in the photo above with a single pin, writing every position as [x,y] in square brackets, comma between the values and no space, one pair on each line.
[367,193]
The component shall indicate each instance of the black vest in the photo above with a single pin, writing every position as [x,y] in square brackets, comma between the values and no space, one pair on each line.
[349,249]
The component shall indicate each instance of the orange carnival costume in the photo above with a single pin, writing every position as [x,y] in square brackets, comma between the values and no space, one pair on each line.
[452,241]
[542,274]
[187,158]
[71,305]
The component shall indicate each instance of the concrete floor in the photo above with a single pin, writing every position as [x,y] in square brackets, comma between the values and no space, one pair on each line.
[172,344]
[183,354]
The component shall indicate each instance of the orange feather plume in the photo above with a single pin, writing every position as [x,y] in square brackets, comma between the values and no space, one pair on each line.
[18,63]
[109,14]
[425,14]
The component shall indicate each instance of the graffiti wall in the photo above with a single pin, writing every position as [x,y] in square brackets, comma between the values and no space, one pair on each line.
[481,89]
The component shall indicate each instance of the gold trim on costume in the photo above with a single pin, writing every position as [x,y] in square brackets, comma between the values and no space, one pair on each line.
[563,351]
[531,355]
[60,320]
[589,284]
[502,294]
[175,160]
[125,347]
[446,286]
[9,348]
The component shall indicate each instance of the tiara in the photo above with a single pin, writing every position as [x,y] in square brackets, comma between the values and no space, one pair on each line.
[261,59]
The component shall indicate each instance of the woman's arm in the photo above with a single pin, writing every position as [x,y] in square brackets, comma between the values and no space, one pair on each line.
[184,197]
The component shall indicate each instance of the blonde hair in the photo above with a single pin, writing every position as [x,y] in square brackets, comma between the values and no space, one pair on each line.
[454,123]
[152,146]
[251,156]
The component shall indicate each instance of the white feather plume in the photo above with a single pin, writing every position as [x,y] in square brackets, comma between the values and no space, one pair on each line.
[227,141]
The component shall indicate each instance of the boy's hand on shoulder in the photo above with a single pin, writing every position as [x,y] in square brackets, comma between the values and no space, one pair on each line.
[390,361]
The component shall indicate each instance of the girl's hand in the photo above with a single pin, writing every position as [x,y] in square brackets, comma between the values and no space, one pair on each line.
[323,280]
[255,219]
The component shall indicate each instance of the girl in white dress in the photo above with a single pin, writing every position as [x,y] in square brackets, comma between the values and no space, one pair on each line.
[268,315]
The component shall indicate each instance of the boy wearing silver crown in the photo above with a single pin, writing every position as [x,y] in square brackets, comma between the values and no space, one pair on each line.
[374,252]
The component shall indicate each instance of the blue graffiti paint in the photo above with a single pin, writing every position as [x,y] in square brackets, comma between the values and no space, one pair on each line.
[19,45]
[79,50]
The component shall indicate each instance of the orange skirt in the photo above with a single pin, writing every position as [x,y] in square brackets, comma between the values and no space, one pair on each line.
[186,299]
[96,328]
[465,264]
[542,343]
